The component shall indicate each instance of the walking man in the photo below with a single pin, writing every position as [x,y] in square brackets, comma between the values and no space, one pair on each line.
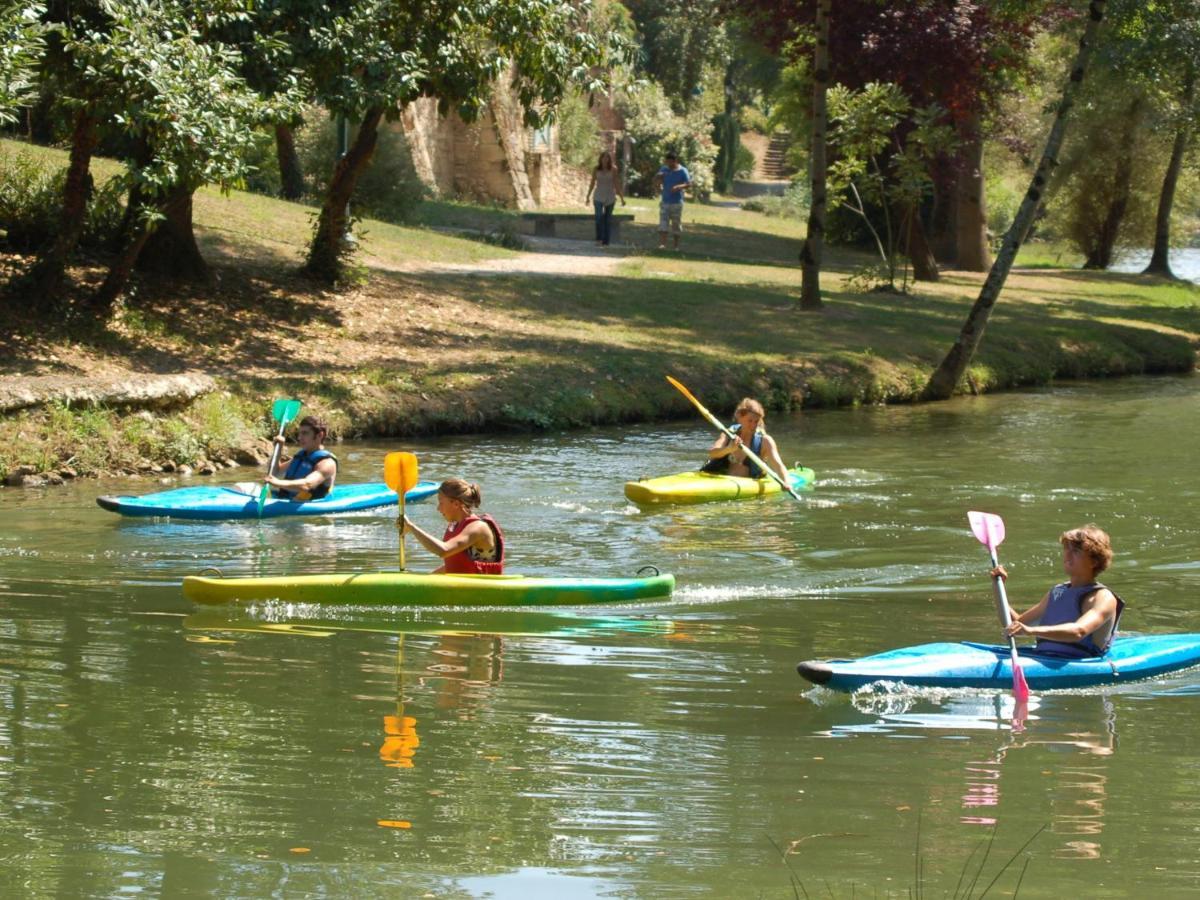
[675,180]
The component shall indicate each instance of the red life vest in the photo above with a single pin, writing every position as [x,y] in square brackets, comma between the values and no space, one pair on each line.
[465,561]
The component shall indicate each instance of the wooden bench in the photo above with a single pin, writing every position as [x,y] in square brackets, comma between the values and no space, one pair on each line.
[544,223]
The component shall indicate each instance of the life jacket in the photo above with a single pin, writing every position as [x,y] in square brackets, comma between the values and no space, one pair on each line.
[1066,605]
[468,562]
[721,466]
[301,465]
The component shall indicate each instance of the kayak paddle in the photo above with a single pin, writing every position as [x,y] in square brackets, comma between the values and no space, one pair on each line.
[282,411]
[989,531]
[400,473]
[728,432]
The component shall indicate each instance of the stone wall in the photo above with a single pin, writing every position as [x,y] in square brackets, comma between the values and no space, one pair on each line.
[494,159]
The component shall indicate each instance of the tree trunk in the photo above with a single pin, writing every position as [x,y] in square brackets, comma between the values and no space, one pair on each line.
[1160,258]
[136,234]
[1101,254]
[49,272]
[814,241]
[972,253]
[171,247]
[925,267]
[291,176]
[947,375]
[328,248]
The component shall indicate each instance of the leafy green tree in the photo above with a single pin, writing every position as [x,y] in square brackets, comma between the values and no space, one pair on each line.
[189,116]
[681,39]
[952,368]
[144,72]
[21,43]
[365,59]
[873,168]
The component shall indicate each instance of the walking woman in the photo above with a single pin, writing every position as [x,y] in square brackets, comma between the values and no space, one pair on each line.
[603,191]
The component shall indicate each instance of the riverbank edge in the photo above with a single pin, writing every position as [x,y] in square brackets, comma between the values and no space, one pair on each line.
[229,427]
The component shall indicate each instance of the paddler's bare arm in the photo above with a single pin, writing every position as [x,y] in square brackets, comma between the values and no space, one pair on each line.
[470,536]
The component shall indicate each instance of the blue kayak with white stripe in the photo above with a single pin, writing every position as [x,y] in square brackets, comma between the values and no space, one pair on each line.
[969,665]
[227,502]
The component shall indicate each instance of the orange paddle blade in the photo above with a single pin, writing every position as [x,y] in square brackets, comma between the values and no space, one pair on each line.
[400,471]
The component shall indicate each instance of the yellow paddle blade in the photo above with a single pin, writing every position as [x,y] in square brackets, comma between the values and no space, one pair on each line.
[400,471]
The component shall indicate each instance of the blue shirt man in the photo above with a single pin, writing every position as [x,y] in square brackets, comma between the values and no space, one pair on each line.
[675,180]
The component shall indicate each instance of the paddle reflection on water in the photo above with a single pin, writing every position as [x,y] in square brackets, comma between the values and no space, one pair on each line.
[1079,731]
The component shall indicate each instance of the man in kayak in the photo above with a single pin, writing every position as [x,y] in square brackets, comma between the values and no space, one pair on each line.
[728,457]
[309,474]
[473,543]
[1078,618]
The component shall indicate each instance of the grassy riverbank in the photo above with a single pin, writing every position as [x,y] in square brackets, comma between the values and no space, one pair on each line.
[455,334]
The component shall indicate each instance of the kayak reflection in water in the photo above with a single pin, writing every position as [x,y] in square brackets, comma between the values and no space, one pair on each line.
[1078,618]
[309,474]
[728,457]
[473,543]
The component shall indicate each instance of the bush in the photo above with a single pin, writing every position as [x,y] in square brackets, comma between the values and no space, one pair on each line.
[31,191]
[388,190]
[754,119]
[264,176]
[727,136]
[745,162]
[655,129]
[578,133]
[793,203]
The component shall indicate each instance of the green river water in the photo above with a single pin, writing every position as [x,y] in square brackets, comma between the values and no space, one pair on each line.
[667,750]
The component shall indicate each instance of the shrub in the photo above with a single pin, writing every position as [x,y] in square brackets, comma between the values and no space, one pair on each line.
[727,136]
[791,204]
[754,119]
[744,163]
[31,192]
[388,190]
[578,133]
[655,129]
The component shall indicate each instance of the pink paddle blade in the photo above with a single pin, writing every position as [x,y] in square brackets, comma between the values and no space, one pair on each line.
[1020,686]
[988,528]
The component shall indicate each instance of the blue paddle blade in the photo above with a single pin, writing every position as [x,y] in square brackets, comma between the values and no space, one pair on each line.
[284,411]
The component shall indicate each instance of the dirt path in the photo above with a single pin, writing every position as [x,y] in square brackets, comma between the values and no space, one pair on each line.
[546,256]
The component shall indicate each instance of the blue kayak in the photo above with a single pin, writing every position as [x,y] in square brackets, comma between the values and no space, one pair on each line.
[216,502]
[988,666]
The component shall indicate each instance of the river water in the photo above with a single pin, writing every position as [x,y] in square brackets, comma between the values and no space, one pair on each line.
[648,751]
[1185,262]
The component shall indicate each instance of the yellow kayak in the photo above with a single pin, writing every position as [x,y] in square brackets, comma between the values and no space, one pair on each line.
[413,589]
[701,487]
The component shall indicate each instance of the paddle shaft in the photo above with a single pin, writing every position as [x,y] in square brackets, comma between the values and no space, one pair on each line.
[729,433]
[400,526]
[274,461]
[1002,606]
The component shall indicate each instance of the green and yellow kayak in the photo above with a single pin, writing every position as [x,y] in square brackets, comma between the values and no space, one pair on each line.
[412,589]
[701,487]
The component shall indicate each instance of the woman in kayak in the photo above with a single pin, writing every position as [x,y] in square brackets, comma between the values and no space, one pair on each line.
[473,543]
[309,474]
[1078,618]
[728,457]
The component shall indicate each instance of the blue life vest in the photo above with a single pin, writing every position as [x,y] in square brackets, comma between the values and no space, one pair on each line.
[721,466]
[1066,605]
[301,465]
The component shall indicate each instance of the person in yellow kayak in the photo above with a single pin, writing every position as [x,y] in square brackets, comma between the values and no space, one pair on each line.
[728,457]
[473,543]
[310,474]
